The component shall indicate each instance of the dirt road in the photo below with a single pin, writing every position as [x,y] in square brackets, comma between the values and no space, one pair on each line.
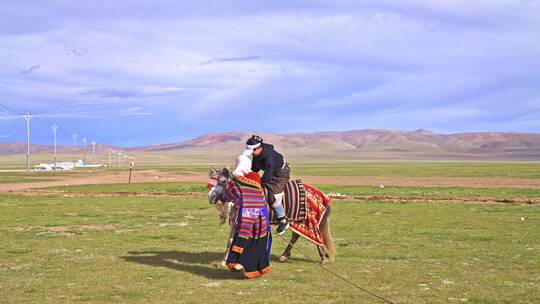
[147,176]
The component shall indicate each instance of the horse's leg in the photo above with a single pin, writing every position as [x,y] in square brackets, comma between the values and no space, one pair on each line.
[232,231]
[222,215]
[287,253]
[323,255]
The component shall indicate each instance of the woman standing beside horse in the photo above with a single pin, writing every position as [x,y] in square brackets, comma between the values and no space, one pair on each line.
[252,240]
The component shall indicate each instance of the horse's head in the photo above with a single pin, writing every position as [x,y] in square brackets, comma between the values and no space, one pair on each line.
[219,180]
[219,191]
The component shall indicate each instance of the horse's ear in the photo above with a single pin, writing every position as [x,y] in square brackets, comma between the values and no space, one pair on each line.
[226,172]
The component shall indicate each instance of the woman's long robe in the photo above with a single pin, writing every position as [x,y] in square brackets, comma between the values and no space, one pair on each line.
[253,239]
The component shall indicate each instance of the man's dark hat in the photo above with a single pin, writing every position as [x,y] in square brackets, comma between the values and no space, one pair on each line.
[254,140]
[251,144]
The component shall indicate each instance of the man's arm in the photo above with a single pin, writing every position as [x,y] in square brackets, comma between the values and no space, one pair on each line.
[254,167]
[273,165]
[268,173]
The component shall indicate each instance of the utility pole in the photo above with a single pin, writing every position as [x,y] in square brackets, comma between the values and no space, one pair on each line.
[74,146]
[131,164]
[110,157]
[54,128]
[28,117]
[84,150]
[94,152]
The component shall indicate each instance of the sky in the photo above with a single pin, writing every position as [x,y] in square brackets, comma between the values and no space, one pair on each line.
[134,73]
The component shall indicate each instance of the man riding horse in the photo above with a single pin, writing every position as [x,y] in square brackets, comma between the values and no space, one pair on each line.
[250,238]
[275,178]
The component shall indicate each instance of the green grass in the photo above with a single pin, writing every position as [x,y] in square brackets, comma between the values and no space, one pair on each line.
[401,191]
[164,249]
[422,169]
[183,169]
[38,176]
[473,169]
[529,170]
[19,177]
[10,179]
[434,192]
[149,187]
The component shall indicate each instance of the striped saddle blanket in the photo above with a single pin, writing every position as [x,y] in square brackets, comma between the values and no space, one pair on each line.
[294,201]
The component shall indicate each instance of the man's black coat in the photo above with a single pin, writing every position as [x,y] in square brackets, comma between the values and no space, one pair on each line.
[269,160]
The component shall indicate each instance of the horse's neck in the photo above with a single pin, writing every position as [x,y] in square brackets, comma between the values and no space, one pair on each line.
[232,188]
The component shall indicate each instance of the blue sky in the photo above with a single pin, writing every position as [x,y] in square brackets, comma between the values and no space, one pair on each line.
[144,72]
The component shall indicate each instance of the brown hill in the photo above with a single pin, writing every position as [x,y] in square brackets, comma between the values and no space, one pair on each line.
[348,145]
[372,144]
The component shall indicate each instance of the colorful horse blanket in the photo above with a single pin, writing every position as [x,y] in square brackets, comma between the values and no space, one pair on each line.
[294,202]
[305,207]
[316,206]
[253,239]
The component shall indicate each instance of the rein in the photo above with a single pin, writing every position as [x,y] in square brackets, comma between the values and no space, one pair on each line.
[337,274]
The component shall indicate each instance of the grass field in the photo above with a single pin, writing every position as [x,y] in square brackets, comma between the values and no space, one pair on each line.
[395,169]
[19,177]
[58,249]
[527,170]
[401,191]
[72,248]
[423,169]
[36,176]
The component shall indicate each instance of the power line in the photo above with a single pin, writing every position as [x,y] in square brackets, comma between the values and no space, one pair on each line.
[36,118]
[11,110]
[48,124]
[55,127]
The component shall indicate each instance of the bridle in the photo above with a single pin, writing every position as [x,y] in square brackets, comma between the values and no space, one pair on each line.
[217,184]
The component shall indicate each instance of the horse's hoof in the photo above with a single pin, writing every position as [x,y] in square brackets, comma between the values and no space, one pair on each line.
[222,265]
[325,261]
[283,258]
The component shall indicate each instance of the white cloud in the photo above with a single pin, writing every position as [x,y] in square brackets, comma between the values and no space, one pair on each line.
[317,58]
[97,114]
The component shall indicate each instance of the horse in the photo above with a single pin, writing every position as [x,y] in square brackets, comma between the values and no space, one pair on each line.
[218,185]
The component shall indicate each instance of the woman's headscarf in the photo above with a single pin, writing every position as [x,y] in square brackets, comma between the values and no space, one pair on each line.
[243,165]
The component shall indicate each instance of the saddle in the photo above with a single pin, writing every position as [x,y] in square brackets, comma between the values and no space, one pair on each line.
[294,201]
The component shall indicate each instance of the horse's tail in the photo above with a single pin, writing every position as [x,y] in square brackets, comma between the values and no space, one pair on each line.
[328,243]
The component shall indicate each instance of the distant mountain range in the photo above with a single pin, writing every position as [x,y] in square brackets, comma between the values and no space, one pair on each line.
[348,145]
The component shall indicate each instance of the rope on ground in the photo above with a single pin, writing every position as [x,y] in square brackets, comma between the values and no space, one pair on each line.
[337,274]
